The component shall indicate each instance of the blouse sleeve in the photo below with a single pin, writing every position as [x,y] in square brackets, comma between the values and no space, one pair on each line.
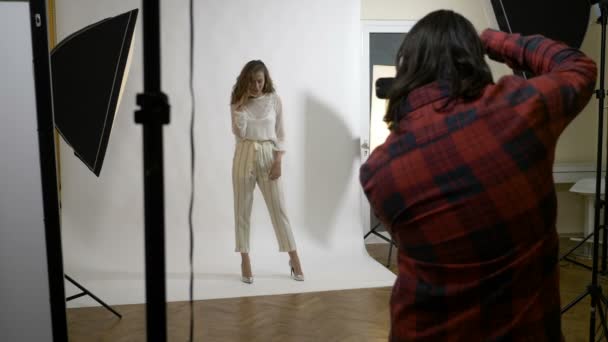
[239,122]
[279,125]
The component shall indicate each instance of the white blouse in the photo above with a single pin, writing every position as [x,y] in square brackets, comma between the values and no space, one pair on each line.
[261,118]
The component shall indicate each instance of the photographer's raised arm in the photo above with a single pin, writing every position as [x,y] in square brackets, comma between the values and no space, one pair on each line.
[565,77]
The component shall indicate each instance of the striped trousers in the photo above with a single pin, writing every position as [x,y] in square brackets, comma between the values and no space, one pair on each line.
[251,164]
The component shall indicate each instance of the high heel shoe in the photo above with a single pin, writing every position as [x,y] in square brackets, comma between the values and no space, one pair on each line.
[294,276]
[247,280]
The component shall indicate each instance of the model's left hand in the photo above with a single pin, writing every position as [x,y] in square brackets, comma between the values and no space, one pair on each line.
[275,170]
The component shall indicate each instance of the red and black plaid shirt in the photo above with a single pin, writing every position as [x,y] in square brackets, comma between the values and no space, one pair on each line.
[468,196]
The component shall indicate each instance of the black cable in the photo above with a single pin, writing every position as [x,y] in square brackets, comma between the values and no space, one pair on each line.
[192,168]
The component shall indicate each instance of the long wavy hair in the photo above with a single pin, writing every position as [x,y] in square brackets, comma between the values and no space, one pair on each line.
[243,81]
[444,46]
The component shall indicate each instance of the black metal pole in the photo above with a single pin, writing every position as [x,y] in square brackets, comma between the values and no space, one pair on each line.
[604,12]
[601,94]
[153,115]
[151,35]
[48,167]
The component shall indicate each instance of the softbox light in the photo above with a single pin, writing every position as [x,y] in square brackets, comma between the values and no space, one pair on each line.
[89,70]
[562,20]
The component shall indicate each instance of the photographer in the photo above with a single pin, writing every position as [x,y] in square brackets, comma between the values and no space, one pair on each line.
[464,182]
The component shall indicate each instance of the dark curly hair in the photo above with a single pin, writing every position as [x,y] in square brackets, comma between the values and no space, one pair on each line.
[442,46]
[239,90]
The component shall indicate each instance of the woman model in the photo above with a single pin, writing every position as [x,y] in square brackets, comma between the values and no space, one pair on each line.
[257,123]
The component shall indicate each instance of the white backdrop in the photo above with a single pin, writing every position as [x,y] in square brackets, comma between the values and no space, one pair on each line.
[312,50]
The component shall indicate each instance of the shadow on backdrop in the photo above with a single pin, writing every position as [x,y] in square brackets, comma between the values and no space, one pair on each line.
[330,151]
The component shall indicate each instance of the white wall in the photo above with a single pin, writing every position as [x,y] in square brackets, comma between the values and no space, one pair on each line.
[24,288]
[312,50]
[578,142]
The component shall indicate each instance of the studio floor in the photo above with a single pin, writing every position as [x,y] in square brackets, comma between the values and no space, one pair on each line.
[349,315]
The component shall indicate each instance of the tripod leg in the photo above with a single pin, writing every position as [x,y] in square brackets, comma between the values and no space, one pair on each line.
[390,254]
[371,231]
[577,263]
[602,317]
[574,302]
[383,237]
[92,296]
[604,245]
[81,294]
[571,250]
[603,299]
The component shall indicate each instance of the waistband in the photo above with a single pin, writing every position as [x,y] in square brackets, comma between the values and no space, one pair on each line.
[257,144]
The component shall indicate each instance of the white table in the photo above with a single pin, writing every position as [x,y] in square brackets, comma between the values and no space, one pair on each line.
[583,177]
[586,187]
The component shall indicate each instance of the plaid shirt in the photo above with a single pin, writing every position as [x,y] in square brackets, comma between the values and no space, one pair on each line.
[467,193]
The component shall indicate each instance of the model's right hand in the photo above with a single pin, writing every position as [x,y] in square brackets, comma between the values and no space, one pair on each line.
[243,100]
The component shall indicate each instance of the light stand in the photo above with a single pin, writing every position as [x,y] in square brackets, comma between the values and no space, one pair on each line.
[390,241]
[598,300]
[86,292]
[154,113]
[89,70]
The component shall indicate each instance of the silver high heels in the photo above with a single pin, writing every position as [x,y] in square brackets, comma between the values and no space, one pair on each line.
[294,276]
[247,280]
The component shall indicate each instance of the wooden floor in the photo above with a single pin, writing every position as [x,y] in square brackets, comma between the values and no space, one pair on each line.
[354,315]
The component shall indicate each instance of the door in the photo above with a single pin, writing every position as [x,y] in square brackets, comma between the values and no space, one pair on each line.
[380,42]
